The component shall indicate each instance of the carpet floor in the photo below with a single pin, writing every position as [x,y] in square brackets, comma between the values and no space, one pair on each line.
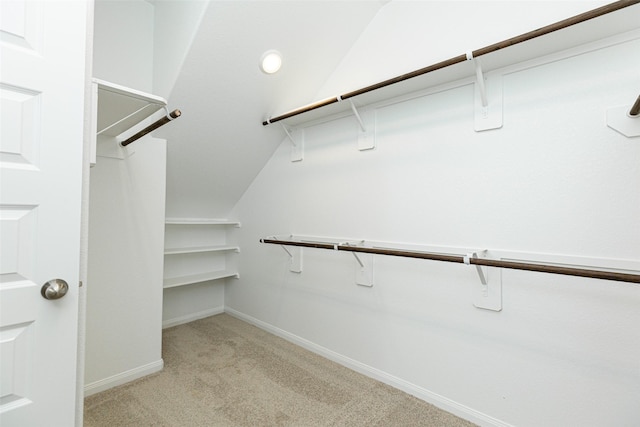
[221,371]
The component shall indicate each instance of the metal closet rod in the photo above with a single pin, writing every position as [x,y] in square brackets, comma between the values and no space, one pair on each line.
[461,259]
[603,10]
[153,126]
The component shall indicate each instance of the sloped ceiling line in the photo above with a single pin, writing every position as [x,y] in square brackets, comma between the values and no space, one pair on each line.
[218,146]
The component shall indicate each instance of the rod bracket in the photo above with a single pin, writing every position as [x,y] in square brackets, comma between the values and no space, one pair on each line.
[295,260]
[481,273]
[295,256]
[480,86]
[366,130]
[296,136]
[487,97]
[364,265]
[488,293]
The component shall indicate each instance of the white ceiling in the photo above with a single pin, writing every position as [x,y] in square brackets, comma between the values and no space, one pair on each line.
[219,144]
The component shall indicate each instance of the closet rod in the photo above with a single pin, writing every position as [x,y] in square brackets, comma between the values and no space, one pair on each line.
[603,10]
[153,126]
[542,268]
[635,110]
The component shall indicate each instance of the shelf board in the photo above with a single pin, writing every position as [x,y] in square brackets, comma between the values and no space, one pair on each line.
[197,249]
[197,278]
[200,221]
[120,108]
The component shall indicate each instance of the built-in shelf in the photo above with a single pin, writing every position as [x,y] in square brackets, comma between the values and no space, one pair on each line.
[196,249]
[191,279]
[119,112]
[120,108]
[200,221]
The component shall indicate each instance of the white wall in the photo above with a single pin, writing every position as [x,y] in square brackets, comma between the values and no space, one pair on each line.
[123,43]
[175,24]
[126,218]
[124,289]
[408,35]
[553,181]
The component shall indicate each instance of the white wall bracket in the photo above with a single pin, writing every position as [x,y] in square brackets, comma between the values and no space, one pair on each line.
[295,257]
[296,136]
[364,267]
[364,270]
[619,119]
[366,130]
[488,293]
[482,88]
[487,98]
[481,271]
[363,128]
[367,137]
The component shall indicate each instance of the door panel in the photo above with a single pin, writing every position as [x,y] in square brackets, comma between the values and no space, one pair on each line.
[42,84]
[19,134]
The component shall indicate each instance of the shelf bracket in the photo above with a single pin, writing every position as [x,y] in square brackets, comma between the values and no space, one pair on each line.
[488,293]
[482,88]
[487,115]
[481,272]
[363,128]
[367,132]
[287,251]
[295,262]
[366,127]
[623,120]
[295,257]
[296,136]
[293,141]
[364,266]
[358,259]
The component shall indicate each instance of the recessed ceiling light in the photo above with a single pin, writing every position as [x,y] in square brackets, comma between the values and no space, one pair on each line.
[271,61]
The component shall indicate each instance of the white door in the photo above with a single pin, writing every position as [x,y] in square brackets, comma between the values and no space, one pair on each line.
[42,79]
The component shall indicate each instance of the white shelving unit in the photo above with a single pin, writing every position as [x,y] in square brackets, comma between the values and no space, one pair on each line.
[197,251]
[121,108]
[119,112]
[199,255]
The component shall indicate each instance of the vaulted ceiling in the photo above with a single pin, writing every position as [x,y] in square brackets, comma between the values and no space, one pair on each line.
[219,144]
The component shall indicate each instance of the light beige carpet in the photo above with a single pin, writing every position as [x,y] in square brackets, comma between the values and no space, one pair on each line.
[221,371]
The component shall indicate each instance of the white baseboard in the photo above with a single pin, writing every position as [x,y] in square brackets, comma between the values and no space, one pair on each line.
[123,377]
[168,323]
[417,391]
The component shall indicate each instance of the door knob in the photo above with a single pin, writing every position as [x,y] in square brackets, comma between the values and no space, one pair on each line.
[54,289]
